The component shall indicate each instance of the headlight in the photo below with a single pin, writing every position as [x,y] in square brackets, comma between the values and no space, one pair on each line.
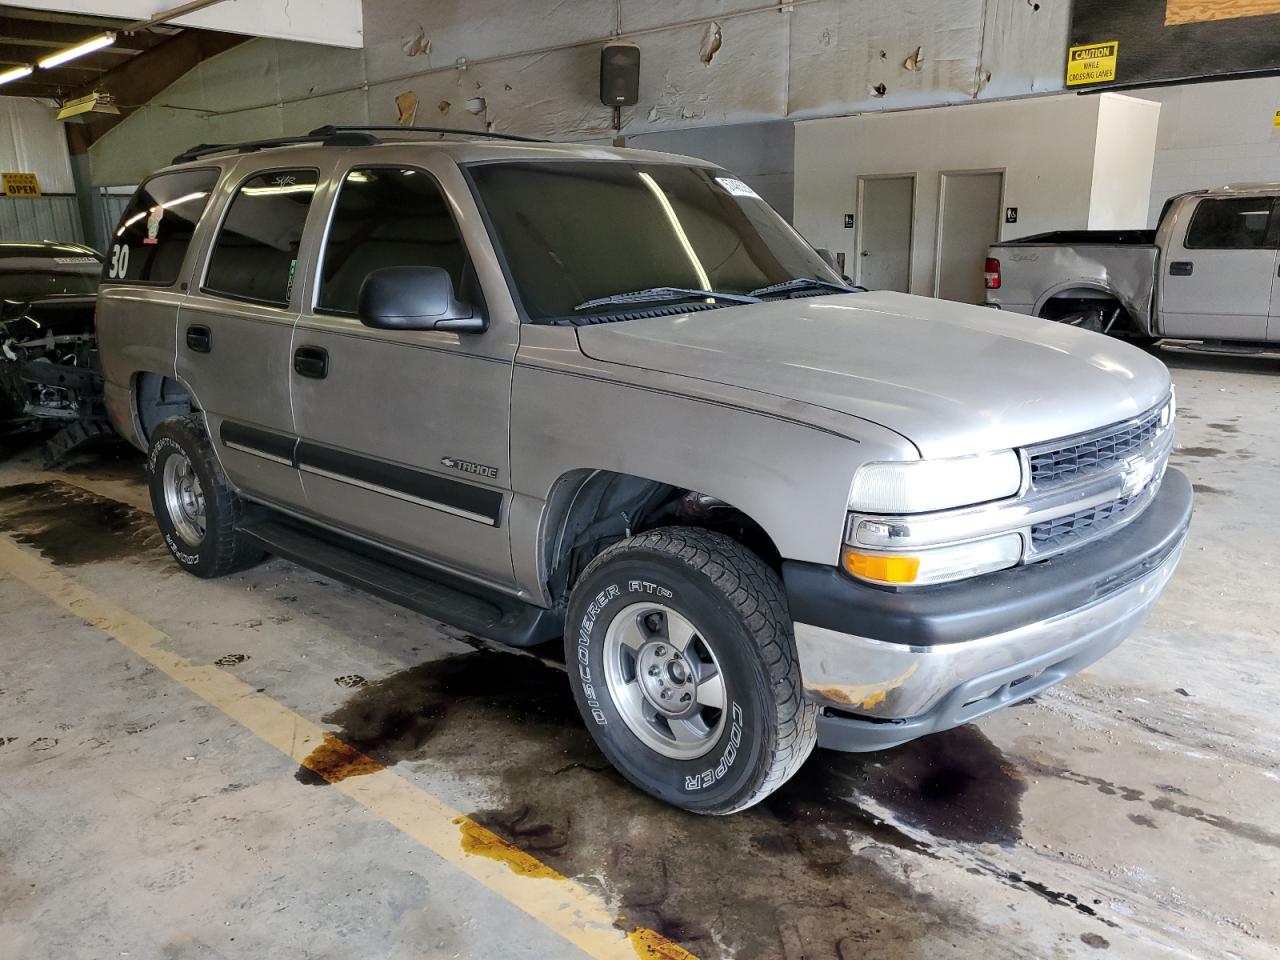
[935,564]
[918,486]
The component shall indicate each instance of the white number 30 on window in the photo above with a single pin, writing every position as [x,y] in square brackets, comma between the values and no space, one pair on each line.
[119,261]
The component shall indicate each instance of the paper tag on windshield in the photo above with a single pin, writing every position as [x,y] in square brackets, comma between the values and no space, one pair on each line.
[737,187]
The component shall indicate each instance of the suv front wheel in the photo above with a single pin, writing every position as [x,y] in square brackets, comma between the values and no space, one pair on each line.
[682,661]
[195,507]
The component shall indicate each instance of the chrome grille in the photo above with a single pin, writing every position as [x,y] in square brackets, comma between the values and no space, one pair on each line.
[1063,532]
[1060,465]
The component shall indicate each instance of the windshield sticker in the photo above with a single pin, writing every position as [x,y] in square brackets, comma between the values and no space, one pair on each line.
[737,187]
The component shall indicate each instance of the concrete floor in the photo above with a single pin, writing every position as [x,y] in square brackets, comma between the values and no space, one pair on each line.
[149,809]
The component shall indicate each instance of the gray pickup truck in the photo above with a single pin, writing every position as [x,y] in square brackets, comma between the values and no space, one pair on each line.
[1206,273]
[610,398]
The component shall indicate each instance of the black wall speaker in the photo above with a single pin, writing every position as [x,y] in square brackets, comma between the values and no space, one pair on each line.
[619,74]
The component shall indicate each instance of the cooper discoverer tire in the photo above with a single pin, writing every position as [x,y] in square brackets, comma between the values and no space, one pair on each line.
[682,661]
[195,507]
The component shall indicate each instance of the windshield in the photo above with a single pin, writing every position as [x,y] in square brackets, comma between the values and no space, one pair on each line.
[576,231]
[36,285]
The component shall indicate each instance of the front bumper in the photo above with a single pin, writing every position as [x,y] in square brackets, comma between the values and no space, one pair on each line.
[931,659]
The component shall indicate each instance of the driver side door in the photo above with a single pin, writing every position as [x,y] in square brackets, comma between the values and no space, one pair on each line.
[403,434]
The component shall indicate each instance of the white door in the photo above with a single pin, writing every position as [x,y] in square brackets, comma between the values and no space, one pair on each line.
[886,209]
[968,223]
[1219,271]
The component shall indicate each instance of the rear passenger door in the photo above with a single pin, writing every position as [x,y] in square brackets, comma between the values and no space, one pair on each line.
[234,331]
[144,283]
[404,434]
[1220,269]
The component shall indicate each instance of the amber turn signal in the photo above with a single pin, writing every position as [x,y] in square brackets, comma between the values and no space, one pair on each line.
[883,569]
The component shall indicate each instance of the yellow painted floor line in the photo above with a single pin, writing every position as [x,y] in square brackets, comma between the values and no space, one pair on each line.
[558,903]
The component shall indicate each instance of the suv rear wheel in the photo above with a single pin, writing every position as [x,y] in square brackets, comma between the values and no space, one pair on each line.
[195,508]
[682,661]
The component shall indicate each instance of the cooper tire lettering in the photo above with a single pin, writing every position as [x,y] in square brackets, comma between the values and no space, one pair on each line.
[736,607]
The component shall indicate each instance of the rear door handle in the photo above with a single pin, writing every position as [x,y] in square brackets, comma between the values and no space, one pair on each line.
[1181,268]
[199,338]
[311,362]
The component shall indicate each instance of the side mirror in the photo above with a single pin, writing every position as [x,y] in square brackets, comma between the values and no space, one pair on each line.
[414,298]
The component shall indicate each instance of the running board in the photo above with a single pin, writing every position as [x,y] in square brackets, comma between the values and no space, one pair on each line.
[1240,349]
[451,600]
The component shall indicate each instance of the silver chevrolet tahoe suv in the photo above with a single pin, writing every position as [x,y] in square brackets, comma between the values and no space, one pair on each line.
[550,391]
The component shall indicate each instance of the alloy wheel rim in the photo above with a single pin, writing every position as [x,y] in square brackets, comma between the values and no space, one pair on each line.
[184,499]
[665,680]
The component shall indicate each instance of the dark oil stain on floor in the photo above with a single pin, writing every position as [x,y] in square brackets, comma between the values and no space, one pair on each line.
[1198,452]
[1206,489]
[1226,427]
[1252,832]
[72,527]
[790,871]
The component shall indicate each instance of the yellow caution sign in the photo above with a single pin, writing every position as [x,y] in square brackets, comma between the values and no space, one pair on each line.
[20,184]
[1277,120]
[1092,63]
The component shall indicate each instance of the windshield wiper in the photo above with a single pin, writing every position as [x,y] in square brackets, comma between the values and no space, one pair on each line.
[662,294]
[806,283]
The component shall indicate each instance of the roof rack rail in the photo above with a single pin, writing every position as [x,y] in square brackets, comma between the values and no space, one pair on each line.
[331,129]
[332,135]
[332,138]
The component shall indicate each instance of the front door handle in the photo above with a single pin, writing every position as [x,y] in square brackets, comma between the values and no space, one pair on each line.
[199,338]
[311,362]
[1181,268]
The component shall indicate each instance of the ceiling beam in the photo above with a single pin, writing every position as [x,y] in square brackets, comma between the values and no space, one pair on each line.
[37,34]
[139,80]
[54,16]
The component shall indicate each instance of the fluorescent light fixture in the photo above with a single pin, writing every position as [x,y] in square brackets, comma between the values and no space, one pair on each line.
[79,50]
[17,73]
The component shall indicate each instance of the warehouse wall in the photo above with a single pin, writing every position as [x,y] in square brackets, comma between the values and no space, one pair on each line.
[761,154]
[1212,134]
[31,141]
[534,68]
[1046,148]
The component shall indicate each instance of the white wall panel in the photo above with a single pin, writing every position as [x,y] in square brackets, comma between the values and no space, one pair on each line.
[536,66]
[1047,149]
[1123,158]
[31,141]
[336,22]
[1212,134]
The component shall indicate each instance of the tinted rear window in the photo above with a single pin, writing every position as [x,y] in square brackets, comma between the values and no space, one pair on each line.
[1236,224]
[151,241]
[256,253]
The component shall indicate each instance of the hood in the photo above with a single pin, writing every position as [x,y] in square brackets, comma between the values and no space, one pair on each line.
[952,378]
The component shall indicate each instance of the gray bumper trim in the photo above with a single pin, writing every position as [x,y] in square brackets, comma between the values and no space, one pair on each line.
[925,690]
